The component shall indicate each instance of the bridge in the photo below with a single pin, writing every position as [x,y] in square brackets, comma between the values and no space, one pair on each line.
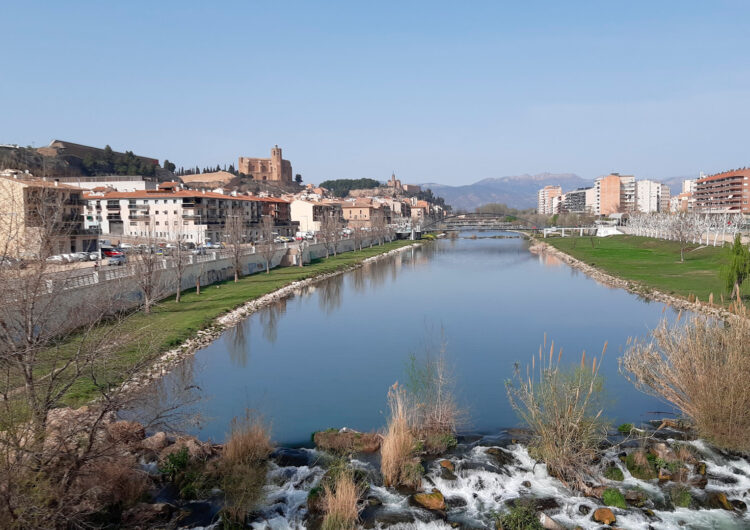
[480,221]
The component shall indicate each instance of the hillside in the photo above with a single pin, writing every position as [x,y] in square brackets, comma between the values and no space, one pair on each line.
[517,191]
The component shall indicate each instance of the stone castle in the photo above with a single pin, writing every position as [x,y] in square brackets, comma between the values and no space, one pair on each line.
[273,169]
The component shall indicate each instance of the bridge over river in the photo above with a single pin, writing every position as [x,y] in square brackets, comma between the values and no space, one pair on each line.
[490,221]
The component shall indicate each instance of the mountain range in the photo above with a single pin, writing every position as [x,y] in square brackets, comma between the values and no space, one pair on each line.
[518,191]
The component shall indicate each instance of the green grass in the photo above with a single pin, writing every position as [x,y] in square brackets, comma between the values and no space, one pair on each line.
[171,323]
[613,497]
[653,263]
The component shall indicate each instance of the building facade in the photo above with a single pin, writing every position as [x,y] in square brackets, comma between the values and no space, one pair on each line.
[545,198]
[575,201]
[274,169]
[727,192]
[648,196]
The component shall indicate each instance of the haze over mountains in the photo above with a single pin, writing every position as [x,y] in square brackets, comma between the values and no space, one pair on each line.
[519,191]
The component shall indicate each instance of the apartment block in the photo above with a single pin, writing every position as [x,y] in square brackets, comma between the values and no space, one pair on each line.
[727,192]
[545,198]
[648,196]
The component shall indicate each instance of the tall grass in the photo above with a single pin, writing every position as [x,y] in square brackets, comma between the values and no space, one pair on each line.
[703,369]
[559,404]
[432,384]
[340,502]
[243,467]
[399,464]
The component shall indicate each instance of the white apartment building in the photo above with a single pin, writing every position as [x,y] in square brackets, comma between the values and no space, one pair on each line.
[117,182]
[648,196]
[688,185]
[628,193]
[665,198]
[170,214]
[545,198]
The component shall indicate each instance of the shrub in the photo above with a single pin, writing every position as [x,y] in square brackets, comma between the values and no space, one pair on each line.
[614,473]
[640,466]
[680,496]
[175,463]
[249,440]
[625,428]
[340,502]
[702,369]
[522,516]
[613,497]
[397,452]
[560,409]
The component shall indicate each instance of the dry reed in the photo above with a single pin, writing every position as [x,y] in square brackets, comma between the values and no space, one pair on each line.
[559,406]
[703,369]
[340,502]
[249,440]
[398,463]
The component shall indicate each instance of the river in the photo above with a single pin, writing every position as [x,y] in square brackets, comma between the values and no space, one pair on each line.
[326,356]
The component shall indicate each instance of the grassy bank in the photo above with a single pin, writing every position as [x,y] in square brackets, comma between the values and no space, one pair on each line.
[171,323]
[653,263]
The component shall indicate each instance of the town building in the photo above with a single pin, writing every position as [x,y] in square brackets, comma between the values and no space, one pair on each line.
[42,217]
[608,194]
[365,213]
[648,196]
[688,185]
[273,169]
[309,214]
[575,201]
[171,213]
[116,182]
[544,199]
[665,198]
[727,192]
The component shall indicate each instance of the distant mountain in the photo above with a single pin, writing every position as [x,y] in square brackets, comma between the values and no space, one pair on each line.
[517,191]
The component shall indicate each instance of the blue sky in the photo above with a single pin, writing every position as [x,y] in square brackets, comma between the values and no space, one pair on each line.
[448,92]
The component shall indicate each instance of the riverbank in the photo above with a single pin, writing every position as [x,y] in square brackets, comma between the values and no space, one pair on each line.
[616,259]
[176,330]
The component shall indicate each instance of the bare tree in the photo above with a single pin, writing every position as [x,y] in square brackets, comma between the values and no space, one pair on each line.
[148,267]
[330,232]
[235,237]
[267,246]
[180,259]
[56,337]
[684,228]
[359,236]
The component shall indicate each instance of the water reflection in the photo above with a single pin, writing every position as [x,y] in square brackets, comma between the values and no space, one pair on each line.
[328,358]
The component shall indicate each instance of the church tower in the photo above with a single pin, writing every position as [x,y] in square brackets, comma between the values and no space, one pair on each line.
[276,167]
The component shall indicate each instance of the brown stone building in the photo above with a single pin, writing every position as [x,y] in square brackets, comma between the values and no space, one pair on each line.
[273,169]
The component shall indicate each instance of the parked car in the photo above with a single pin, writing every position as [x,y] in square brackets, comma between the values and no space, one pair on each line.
[117,260]
[58,260]
[93,256]
[110,252]
[81,256]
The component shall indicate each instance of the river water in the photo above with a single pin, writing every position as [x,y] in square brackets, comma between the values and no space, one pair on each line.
[327,356]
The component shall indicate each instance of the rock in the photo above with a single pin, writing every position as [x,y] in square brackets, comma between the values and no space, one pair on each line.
[719,500]
[446,474]
[456,502]
[583,509]
[663,451]
[604,516]
[290,457]
[664,474]
[156,442]
[700,468]
[544,504]
[503,457]
[447,464]
[526,484]
[125,432]
[196,449]
[315,503]
[145,515]
[635,497]
[739,505]
[347,441]
[549,523]
[431,501]
[699,482]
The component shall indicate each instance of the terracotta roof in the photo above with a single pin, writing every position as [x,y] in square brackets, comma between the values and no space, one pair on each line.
[160,194]
[732,173]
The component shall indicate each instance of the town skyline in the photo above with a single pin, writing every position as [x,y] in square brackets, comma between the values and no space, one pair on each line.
[440,94]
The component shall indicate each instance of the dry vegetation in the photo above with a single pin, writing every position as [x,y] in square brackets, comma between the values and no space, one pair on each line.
[399,463]
[560,407]
[340,502]
[243,467]
[703,369]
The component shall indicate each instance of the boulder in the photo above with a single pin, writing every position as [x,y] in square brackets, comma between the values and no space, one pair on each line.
[431,501]
[699,482]
[719,500]
[196,449]
[125,432]
[156,442]
[347,441]
[501,456]
[604,516]
[663,451]
[549,523]
[447,464]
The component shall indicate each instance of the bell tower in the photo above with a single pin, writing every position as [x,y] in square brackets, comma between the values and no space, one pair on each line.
[276,171]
